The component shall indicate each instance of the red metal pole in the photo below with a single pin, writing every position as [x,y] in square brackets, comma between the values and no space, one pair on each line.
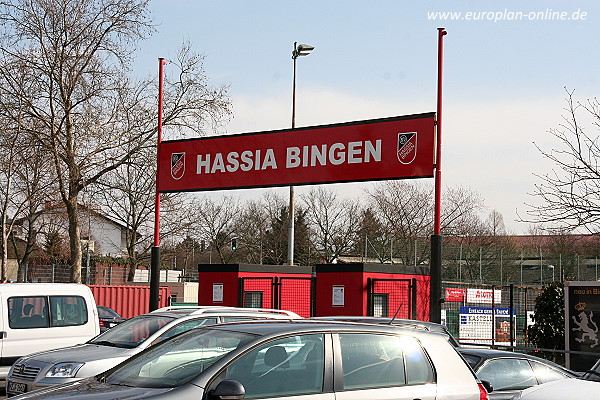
[161,65]
[155,251]
[435,264]
[438,151]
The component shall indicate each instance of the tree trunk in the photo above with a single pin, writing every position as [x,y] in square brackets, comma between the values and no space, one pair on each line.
[4,252]
[74,240]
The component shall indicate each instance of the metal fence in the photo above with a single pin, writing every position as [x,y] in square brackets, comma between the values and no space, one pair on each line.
[470,317]
[95,274]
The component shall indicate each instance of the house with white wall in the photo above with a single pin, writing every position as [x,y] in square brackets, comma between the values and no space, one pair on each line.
[104,236]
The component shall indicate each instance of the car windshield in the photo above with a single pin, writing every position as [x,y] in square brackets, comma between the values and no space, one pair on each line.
[593,374]
[176,361]
[132,332]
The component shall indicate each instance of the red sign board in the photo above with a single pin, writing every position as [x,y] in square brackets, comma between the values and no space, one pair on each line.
[389,148]
[455,294]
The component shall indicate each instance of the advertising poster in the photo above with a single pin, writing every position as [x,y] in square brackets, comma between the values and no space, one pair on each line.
[582,318]
[484,296]
[455,294]
[480,325]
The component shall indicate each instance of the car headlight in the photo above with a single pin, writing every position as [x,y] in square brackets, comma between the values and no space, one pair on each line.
[64,370]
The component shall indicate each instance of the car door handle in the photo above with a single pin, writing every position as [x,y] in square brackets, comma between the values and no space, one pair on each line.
[2,334]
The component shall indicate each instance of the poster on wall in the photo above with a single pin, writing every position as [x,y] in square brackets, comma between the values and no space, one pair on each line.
[217,296]
[582,319]
[338,296]
[480,325]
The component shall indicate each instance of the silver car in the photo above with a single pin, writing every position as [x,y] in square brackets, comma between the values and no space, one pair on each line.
[587,387]
[294,359]
[130,337]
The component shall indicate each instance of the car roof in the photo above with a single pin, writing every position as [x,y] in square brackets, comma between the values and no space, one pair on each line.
[222,310]
[425,325]
[486,353]
[407,323]
[494,353]
[274,326]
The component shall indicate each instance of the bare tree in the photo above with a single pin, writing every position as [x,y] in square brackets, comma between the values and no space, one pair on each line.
[334,221]
[495,223]
[126,195]
[570,194]
[215,221]
[88,114]
[25,186]
[406,211]
[253,228]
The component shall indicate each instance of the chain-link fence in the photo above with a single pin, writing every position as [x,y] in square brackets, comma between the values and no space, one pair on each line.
[471,318]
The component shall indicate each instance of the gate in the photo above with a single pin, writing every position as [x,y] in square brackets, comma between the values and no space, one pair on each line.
[282,293]
[392,298]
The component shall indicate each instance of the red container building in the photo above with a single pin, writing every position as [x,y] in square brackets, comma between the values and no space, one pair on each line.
[360,289]
[259,286]
[381,290]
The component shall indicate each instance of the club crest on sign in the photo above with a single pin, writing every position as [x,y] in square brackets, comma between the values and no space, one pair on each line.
[177,165]
[407,147]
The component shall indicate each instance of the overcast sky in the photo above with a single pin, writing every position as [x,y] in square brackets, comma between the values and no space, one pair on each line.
[506,66]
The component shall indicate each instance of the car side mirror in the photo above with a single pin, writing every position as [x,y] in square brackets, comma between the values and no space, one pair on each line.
[488,386]
[228,390]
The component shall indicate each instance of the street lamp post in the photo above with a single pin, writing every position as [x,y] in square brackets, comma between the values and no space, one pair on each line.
[299,50]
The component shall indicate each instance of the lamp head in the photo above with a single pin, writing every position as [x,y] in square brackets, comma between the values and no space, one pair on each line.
[301,50]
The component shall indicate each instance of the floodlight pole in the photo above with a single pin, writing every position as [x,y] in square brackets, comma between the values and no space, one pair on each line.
[435,265]
[299,50]
[155,251]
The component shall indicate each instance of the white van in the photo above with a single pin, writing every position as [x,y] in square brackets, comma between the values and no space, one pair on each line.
[43,316]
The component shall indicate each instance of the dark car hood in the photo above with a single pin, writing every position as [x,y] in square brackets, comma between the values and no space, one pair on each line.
[90,389]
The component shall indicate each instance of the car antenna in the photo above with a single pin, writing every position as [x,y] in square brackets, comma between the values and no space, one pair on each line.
[394,317]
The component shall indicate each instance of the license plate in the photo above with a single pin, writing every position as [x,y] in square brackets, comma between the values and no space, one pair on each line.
[16,387]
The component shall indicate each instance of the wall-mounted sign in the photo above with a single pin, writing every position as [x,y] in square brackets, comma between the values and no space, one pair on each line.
[455,294]
[582,323]
[217,296]
[337,299]
[387,148]
[484,296]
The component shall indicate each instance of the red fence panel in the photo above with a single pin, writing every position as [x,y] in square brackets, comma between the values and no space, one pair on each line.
[391,297]
[296,295]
